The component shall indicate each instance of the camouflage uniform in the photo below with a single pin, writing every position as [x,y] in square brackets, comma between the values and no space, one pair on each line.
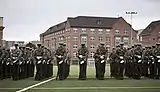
[146,60]
[83,56]
[120,61]
[100,61]
[38,54]
[67,61]
[112,58]
[60,57]
[128,65]
[157,61]
[137,62]
[16,56]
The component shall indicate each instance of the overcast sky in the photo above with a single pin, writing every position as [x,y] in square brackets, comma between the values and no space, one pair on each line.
[26,19]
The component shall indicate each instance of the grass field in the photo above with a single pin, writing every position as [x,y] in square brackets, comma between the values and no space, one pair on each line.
[72,84]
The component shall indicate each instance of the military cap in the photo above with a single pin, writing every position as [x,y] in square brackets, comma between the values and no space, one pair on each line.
[39,44]
[102,43]
[153,46]
[15,44]
[139,44]
[118,46]
[158,43]
[27,47]
[60,43]
[150,47]
[64,44]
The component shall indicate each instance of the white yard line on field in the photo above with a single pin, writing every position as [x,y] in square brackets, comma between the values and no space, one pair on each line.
[76,88]
[27,88]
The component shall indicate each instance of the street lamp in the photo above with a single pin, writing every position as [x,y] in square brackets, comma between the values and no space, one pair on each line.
[131,13]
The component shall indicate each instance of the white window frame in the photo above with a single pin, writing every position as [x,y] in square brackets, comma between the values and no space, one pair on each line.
[117,31]
[100,31]
[84,30]
[92,46]
[92,38]
[92,30]
[75,30]
[117,39]
[75,46]
[100,39]
[125,32]
[75,38]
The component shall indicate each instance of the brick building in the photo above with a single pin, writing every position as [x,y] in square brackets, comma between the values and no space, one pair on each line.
[91,31]
[8,44]
[151,34]
[1,30]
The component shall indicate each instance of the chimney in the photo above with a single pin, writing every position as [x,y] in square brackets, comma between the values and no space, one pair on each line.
[1,21]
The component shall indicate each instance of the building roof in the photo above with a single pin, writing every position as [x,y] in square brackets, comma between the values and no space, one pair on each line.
[150,28]
[92,22]
[55,28]
[84,21]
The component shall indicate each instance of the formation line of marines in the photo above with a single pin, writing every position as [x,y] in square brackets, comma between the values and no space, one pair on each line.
[134,62]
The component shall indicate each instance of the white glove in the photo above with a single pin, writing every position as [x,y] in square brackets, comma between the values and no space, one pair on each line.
[39,57]
[20,63]
[81,62]
[43,61]
[102,61]
[107,58]
[27,62]
[14,57]
[158,60]
[121,57]
[102,57]
[15,61]
[139,61]
[158,56]
[138,56]
[152,62]
[7,63]
[39,62]
[59,56]
[122,61]
[61,62]
[80,56]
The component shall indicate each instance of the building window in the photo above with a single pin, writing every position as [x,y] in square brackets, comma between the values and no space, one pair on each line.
[92,38]
[75,38]
[140,38]
[108,31]
[75,30]
[75,46]
[125,32]
[83,30]
[117,31]
[83,38]
[92,46]
[100,38]
[117,40]
[126,41]
[99,22]
[100,31]
[108,39]
[92,30]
